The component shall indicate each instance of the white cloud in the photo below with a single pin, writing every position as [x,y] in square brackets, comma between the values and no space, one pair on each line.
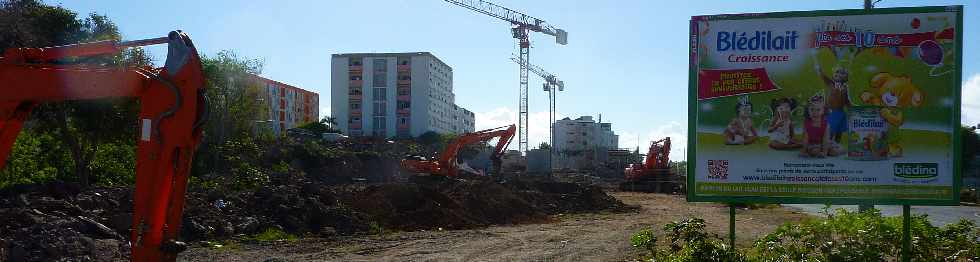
[675,130]
[970,110]
[502,116]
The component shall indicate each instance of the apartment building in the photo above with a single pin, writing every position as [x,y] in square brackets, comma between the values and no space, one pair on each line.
[395,95]
[583,143]
[289,106]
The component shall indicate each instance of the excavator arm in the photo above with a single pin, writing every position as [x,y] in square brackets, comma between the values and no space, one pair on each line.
[173,109]
[446,163]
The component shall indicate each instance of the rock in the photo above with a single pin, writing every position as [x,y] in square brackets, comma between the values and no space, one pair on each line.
[17,253]
[21,201]
[248,225]
[97,229]
[121,223]
[328,231]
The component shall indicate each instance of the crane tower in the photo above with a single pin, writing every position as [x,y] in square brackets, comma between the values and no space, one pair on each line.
[521,27]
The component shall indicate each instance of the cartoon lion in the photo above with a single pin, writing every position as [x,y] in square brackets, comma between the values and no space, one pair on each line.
[894,94]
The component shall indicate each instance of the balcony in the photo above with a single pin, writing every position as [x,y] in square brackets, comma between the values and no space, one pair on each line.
[356,82]
[355,97]
[402,82]
[356,68]
[404,98]
[356,112]
[404,112]
[403,126]
[404,68]
[355,126]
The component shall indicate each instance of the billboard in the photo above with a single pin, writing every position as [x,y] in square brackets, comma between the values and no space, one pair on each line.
[844,106]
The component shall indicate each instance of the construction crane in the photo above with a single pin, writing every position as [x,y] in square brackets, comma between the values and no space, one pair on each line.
[446,164]
[522,26]
[173,110]
[551,83]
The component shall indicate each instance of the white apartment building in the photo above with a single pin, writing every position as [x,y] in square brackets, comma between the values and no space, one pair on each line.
[394,94]
[582,143]
[464,121]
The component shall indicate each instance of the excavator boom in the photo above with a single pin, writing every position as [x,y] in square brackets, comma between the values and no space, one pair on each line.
[173,109]
[446,163]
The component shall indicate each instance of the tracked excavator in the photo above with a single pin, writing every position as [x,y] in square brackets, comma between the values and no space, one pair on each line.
[446,166]
[173,111]
[655,174]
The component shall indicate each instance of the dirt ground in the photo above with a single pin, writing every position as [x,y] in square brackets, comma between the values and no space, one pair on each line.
[580,237]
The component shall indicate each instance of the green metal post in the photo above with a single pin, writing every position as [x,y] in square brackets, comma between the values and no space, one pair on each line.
[906,234]
[731,225]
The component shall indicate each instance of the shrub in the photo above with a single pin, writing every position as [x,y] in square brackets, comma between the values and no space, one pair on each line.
[687,241]
[866,236]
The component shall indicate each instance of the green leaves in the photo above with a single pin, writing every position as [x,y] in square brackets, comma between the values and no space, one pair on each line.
[687,241]
[865,236]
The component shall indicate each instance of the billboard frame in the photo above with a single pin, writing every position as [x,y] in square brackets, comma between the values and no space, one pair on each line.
[693,65]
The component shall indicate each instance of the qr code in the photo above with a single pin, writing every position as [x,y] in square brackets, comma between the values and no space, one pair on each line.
[718,169]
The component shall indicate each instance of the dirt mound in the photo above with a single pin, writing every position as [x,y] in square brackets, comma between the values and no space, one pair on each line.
[455,204]
[297,206]
[60,222]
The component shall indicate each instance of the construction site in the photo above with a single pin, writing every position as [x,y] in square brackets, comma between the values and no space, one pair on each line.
[364,195]
[107,154]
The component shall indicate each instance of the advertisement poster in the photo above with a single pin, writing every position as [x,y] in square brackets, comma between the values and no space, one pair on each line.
[847,106]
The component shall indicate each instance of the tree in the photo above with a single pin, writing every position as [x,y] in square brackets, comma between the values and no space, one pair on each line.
[544,146]
[85,128]
[971,147]
[322,126]
[237,110]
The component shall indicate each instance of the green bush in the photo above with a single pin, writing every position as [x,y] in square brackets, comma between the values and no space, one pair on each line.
[273,234]
[34,158]
[867,236]
[686,241]
[839,236]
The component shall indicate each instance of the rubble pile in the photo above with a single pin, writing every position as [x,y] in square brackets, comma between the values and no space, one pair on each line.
[60,222]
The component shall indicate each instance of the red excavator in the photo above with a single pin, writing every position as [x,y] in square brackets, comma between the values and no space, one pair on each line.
[173,110]
[446,164]
[655,174]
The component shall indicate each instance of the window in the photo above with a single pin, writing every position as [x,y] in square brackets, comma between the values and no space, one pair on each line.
[379,123]
[355,119]
[380,72]
[379,94]
[403,120]
[355,106]
[379,108]
[355,77]
[404,91]
[403,104]
[355,91]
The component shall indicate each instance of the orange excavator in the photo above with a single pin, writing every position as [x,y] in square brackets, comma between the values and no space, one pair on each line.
[173,110]
[655,173]
[446,164]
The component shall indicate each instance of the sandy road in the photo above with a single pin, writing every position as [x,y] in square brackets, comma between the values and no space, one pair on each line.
[580,237]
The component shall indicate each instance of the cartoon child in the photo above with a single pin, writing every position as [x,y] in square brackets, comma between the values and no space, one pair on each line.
[838,99]
[816,138]
[781,133]
[740,130]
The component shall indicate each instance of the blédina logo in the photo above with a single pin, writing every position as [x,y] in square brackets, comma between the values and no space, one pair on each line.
[916,170]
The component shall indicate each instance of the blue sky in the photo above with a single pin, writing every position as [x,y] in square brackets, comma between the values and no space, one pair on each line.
[625,60]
